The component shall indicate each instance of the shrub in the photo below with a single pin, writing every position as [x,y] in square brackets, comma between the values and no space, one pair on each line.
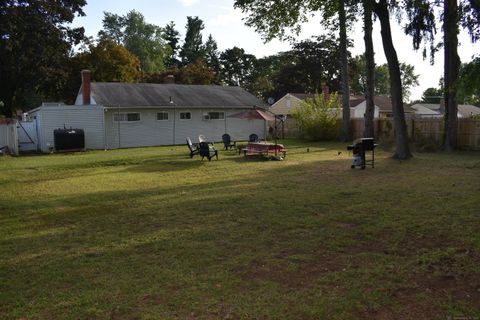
[385,138]
[318,118]
[424,143]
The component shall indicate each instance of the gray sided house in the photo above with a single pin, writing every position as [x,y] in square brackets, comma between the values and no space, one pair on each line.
[123,115]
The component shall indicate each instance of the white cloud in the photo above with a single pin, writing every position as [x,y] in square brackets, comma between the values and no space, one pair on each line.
[188,3]
[230,18]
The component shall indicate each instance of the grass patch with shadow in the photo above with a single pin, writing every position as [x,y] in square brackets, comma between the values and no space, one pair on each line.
[149,233]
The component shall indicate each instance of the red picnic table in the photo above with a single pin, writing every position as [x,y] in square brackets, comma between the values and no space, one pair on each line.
[264,148]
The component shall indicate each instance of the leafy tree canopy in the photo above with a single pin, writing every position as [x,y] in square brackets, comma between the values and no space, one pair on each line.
[432,95]
[35,44]
[274,19]
[193,48]
[172,36]
[382,77]
[111,62]
[422,22]
[196,73]
[212,56]
[237,67]
[143,39]
[309,65]
[469,84]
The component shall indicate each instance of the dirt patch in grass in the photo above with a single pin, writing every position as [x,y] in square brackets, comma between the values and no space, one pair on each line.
[151,300]
[294,275]
[439,276]
[427,297]
[428,288]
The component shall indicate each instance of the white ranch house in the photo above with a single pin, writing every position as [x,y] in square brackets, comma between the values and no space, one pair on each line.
[122,115]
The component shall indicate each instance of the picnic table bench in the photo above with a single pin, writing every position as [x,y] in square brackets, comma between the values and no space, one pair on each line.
[264,148]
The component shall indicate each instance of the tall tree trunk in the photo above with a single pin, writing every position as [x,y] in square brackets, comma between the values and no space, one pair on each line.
[347,132]
[368,130]
[451,73]
[401,136]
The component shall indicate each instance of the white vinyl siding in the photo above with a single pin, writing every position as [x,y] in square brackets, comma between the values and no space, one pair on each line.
[147,132]
[359,111]
[88,118]
[101,131]
[151,132]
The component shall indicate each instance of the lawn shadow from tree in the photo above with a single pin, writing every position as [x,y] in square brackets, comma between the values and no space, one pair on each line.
[307,236]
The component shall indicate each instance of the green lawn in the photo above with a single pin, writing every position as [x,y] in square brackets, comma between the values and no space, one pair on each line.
[151,234]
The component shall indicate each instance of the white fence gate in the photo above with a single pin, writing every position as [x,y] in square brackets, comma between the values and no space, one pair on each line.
[27,136]
[8,137]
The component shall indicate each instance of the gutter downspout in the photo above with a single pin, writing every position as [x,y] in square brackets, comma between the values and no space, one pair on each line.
[38,134]
[104,130]
[174,118]
[118,125]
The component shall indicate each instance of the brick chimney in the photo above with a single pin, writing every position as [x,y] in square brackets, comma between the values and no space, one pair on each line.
[169,79]
[325,92]
[86,87]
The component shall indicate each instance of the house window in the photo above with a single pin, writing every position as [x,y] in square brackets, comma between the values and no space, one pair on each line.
[213,115]
[126,116]
[185,116]
[162,116]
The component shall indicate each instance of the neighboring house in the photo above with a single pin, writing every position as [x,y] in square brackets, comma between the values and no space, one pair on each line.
[358,105]
[291,101]
[423,111]
[383,108]
[383,105]
[119,115]
[467,110]
[437,110]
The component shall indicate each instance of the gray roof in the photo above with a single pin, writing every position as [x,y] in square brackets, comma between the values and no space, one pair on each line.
[467,110]
[354,100]
[464,110]
[384,103]
[151,95]
[431,106]
[422,109]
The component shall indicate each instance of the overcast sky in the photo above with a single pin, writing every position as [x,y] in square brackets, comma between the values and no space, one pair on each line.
[227,28]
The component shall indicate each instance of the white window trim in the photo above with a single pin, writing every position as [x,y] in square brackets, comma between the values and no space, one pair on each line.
[208,112]
[184,119]
[126,121]
[168,115]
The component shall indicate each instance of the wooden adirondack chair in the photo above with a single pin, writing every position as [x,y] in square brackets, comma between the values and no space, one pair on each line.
[207,151]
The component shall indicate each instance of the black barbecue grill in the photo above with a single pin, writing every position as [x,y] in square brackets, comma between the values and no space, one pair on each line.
[360,148]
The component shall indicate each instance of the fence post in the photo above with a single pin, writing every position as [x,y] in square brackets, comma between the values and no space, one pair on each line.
[15,137]
[413,130]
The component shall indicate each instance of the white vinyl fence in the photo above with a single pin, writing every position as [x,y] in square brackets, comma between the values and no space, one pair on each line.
[8,137]
[27,136]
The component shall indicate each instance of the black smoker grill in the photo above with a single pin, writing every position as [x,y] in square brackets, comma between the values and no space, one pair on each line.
[69,139]
[360,147]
